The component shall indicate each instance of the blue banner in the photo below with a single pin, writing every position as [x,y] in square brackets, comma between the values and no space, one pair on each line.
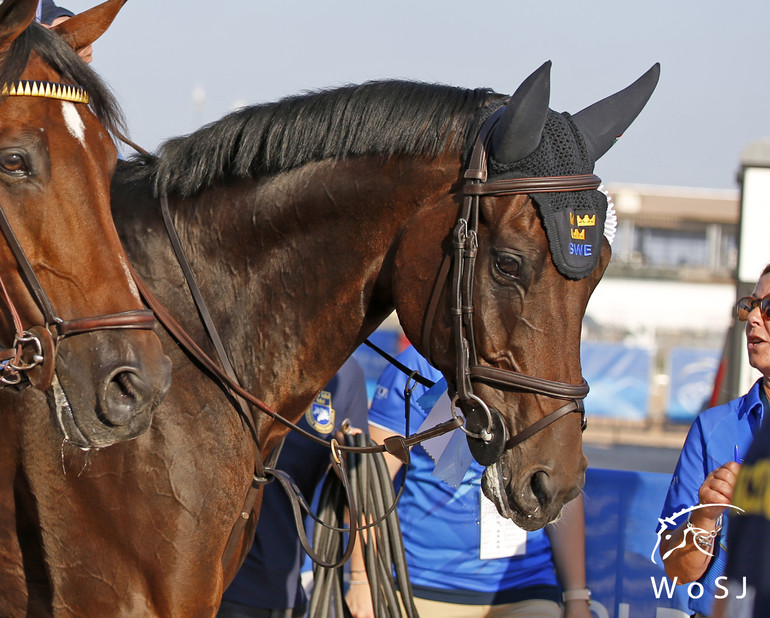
[692,372]
[619,377]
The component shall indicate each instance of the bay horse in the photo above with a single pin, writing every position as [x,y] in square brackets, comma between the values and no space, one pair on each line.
[305,223]
[73,325]
[76,342]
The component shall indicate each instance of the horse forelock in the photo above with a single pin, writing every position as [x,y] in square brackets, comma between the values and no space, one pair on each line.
[62,59]
[383,118]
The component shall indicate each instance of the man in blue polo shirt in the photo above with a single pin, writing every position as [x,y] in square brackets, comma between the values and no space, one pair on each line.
[693,545]
[463,558]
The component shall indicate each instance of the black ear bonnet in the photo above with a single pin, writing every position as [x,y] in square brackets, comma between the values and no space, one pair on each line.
[574,220]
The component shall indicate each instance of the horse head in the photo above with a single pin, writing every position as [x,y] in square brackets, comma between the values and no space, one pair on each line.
[72,322]
[522,259]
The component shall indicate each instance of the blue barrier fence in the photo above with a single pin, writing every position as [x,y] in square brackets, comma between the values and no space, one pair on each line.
[622,510]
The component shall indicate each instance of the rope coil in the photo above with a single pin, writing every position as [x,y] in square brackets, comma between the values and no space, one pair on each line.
[379,535]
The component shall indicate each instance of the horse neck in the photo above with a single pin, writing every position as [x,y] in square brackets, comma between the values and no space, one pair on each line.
[297,268]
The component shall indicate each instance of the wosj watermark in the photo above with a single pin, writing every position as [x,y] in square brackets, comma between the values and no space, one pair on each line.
[702,541]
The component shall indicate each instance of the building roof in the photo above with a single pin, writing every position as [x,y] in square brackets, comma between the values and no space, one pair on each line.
[675,205]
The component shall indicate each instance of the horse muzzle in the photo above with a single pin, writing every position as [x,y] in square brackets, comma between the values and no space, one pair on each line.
[111,398]
[533,499]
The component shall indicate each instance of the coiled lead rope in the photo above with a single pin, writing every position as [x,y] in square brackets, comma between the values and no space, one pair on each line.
[382,544]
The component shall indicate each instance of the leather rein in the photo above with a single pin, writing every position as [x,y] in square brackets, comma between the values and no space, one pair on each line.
[31,358]
[486,431]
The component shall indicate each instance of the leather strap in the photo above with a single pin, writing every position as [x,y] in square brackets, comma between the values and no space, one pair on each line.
[142,319]
[545,184]
[234,543]
[27,273]
[400,366]
[299,504]
[205,315]
[505,378]
[572,406]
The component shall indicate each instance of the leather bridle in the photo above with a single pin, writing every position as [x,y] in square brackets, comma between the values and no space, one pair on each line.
[484,426]
[31,356]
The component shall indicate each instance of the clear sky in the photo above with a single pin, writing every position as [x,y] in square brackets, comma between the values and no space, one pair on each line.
[178,65]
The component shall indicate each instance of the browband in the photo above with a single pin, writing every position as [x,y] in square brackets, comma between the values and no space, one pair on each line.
[540,184]
[48,90]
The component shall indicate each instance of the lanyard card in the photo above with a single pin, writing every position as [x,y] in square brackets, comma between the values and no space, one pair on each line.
[500,537]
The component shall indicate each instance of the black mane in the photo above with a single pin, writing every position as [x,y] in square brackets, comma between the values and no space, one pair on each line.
[62,59]
[377,118]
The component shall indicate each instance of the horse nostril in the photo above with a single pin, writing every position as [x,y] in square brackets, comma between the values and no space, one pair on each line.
[125,396]
[540,483]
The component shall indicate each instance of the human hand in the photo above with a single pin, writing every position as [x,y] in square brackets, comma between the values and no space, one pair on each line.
[87,52]
[716,489]
[359,600]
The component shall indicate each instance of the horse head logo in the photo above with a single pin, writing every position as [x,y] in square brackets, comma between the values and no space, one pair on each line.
[668,524]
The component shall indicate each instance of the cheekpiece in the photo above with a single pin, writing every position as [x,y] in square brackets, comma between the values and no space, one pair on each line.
[48,90]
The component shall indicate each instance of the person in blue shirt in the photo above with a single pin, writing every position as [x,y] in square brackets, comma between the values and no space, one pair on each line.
[463,558]
[694,546]
[268,585]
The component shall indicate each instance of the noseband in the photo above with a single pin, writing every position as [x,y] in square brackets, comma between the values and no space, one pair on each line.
[484,426]
[33,352]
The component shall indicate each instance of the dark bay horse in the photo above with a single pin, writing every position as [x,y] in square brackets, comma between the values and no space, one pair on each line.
[306,222]
[72,321]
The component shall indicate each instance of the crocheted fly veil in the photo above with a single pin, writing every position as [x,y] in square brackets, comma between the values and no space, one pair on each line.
[574,220]
[532,140]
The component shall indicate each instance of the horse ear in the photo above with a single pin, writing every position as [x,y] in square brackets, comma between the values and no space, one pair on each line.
[520,130]
[14,19]
[604,122]
[84,28]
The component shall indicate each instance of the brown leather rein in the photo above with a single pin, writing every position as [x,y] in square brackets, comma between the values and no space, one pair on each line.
[31,357]
[484,426]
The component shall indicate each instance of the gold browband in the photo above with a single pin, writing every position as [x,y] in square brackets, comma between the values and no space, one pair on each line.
[49,90]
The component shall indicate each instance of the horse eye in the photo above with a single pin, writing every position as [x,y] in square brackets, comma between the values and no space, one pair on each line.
[508,265]
[13,163]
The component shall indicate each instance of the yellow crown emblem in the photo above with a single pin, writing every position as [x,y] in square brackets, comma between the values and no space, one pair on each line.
[48,90]
[578,234]
[586,221]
